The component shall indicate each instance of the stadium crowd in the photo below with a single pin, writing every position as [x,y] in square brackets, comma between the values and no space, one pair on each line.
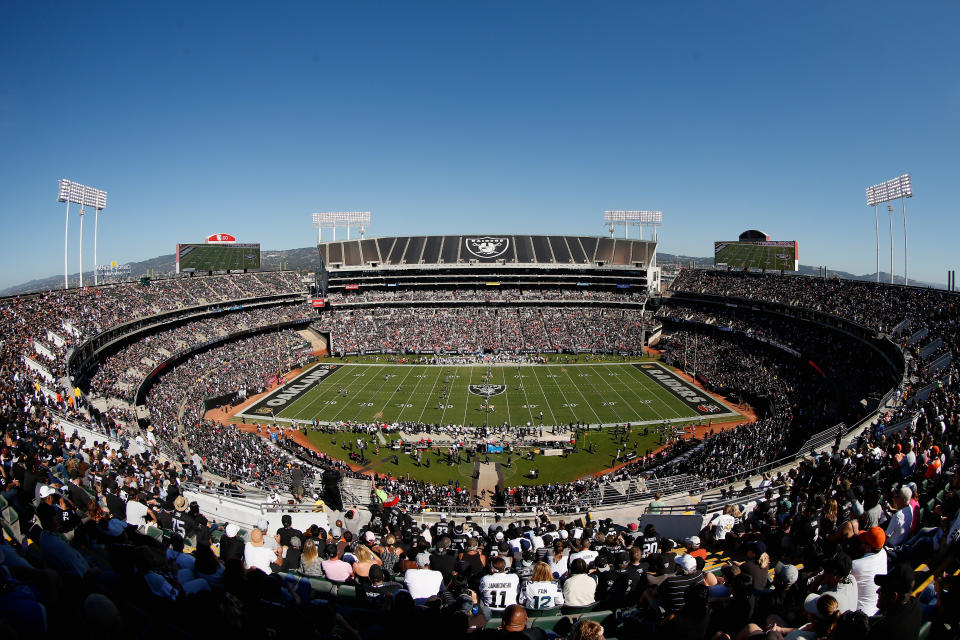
[119,374]
[484,294]
[480,329]
[828,551]
[46,325]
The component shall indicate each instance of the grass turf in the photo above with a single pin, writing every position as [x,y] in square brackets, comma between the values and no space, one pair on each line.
[609,393]
[551,468]
[564,394]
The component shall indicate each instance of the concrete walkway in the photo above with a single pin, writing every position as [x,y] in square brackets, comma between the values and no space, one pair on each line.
[488,480]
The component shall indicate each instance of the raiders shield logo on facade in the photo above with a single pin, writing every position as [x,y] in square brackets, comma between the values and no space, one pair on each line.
[487,246]
[487,390]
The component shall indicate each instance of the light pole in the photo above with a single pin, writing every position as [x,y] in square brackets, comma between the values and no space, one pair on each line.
[81,247]
[876,221]
[890,212]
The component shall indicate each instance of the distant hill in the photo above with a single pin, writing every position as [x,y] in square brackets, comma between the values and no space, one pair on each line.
[305,260]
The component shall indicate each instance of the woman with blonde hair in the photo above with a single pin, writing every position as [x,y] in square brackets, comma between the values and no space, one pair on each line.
[310,559]
[390,554]
[541,592]
[365,559]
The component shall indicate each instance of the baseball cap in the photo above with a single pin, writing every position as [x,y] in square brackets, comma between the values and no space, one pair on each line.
[231,530]
[263,524]
[115,528]
[757,547]
[786,572]
[633,526]
[46,491]
[810,605]
[874,537]
[692,541]
[686,562]
[370,536]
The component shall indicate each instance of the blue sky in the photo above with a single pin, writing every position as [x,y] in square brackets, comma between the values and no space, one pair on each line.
[449,117]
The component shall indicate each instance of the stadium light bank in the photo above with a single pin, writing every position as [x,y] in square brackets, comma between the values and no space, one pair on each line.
[335,219]
[642,219]
[84,196]
[899,188]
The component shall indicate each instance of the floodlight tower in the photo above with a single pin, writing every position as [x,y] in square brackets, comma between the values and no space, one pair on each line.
[899,188]
[85,196]
[335,219]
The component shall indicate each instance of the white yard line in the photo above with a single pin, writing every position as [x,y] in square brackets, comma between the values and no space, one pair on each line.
[544,393]
[424,410]
[526,400]
[347,399]
[387,404]
[577,387]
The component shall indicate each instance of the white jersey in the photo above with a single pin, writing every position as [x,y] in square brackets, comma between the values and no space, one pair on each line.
[541,595]
[499,590]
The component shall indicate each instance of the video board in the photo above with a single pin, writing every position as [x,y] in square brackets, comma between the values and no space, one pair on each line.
[773,255]
[217,257]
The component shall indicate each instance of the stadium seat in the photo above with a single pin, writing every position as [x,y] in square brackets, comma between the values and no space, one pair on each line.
[925,630]
[346,592]
[545,622]
[155,533]
[543,613]
[597,616]
[11,521]
[3,503]
[576,611]
[323,587]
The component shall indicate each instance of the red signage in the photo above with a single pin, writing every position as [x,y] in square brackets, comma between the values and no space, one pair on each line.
[220,237]
[319,302]
[350,287]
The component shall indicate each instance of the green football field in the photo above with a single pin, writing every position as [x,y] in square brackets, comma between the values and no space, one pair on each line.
[646,394]
[537,394]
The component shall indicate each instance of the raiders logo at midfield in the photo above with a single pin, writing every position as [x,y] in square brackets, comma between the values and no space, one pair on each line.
[487,246]
[487,390]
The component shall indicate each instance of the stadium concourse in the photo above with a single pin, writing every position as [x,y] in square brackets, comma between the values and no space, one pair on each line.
[118,527]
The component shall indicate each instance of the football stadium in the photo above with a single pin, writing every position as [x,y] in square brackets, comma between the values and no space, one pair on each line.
[489,411]
[495,391]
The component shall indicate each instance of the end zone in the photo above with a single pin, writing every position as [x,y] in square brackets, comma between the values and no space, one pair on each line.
[284,395]
[697,400]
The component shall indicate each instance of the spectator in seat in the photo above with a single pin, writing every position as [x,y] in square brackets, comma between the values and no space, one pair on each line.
[900,613]
[873,563]
[541,592]
[231,546]
[335,569]
[423,582]
[580,588]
